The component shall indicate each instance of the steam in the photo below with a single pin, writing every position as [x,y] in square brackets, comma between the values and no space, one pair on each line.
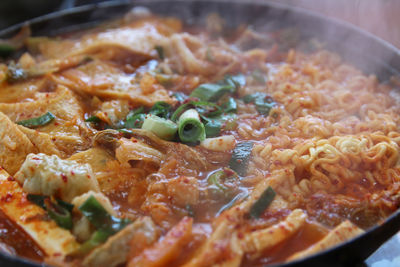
[376,17]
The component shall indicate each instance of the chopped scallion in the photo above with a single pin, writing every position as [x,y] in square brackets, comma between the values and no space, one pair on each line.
[94,119]
[262,202]
[135,118]
[161,109]
[230,105]
[262,101]
[211,91]
[38,121]
[163,128]
[96,239]
[100,218]
[57,210]
[240,157]
[60,214]
[190,128]
[160,51]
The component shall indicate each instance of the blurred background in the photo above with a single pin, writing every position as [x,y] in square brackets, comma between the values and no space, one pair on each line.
[380,17]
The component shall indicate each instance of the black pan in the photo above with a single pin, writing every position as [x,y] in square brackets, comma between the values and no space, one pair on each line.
[362,49]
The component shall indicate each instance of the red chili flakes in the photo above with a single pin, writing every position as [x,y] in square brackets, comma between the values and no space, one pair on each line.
[7,197]
[133,140]
[228,172]
[1,168]
[56,123]
[64,177]
[88,176]
[72,173]
[240,235]
[10,178]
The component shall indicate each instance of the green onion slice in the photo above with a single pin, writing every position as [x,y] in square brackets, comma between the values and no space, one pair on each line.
[262,202]
[160,51]
[212,91]
[215,179]
[190,128]
[57,210]
[100,218]
[230,106]
[163,128]
[97,238]
[38,121]
[212,127]
[161,109]
[203,107]
[240,157]
[237,81]
[94,119]
[262,101]
[135,118]
[59,213]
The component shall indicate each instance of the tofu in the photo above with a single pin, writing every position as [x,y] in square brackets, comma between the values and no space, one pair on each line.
[52,176]
[54,240]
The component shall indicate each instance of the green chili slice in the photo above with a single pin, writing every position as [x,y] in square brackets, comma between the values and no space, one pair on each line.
[262,202]
[38,121]
[240,157]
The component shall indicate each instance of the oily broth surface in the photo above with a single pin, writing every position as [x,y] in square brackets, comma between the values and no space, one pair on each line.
[329,148]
